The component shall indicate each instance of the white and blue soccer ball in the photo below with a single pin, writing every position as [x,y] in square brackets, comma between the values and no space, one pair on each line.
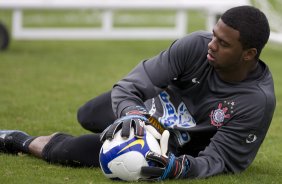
[122,158]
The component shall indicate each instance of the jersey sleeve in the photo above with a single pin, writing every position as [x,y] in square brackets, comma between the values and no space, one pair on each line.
[233,148]
[152,76]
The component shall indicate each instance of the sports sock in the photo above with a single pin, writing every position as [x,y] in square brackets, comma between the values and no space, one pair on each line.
[18,142]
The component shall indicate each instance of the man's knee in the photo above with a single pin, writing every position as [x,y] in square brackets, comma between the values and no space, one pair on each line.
[96,114]
[81,115]
[86,118]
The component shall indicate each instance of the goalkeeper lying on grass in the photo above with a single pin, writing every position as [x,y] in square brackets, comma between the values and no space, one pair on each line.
[209,90]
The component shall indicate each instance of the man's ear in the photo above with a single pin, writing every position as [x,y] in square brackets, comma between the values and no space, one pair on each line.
[250,54]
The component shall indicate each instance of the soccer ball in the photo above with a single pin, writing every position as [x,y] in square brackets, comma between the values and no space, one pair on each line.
[122,158]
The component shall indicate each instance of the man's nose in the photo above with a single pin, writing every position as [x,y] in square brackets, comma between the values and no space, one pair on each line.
[212,45]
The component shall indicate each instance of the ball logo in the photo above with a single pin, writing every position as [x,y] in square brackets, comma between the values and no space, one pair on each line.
[138,141]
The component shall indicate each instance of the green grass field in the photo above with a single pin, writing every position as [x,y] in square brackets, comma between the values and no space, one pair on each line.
[42,84]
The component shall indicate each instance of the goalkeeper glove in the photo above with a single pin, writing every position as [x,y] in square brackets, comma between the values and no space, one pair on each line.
[165,167]
[170,167]
[135,117]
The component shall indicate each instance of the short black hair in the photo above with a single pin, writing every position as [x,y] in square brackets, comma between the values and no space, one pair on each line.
[252,25]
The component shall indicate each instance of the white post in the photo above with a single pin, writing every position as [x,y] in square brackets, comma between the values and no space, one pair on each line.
[17,23]
[107,22]
[210,21]
[181,22]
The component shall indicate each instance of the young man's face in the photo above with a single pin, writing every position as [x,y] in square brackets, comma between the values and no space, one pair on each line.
[225,52]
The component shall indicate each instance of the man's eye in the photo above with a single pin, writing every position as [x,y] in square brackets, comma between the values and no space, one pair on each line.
[223,43]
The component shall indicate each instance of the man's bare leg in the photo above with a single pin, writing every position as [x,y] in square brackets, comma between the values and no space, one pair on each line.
[14,141]
[37,145]
[58,148]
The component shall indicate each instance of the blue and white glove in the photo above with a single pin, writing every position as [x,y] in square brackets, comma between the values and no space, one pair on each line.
[165,167]
[170,167]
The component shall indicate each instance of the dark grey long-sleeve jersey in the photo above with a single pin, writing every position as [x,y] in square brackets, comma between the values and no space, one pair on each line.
[225,122]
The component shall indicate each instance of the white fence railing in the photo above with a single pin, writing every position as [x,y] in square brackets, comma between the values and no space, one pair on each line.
[211,8]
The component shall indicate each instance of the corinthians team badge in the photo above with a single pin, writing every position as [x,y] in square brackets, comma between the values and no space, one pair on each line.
[223,111]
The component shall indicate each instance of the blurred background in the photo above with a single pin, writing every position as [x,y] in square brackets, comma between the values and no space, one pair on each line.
[120,19]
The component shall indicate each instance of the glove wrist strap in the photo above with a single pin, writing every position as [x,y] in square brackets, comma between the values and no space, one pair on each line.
[136,110]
